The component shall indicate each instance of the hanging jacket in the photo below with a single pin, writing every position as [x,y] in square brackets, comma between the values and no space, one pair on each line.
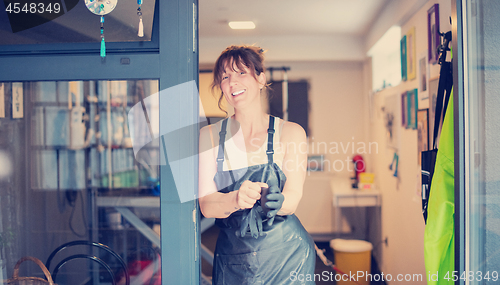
[439,237]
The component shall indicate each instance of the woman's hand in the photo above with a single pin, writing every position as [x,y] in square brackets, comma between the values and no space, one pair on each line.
[274,203]
[249,193]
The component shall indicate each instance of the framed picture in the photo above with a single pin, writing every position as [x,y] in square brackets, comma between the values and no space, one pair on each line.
[411,55]
[404,110]
[412,97]
[403,58]
[433,90]
[422,63]
[423,131]
[433,36]
[315,163]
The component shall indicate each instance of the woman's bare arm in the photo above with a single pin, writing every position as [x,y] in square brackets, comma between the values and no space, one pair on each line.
[294,141]
[214,204]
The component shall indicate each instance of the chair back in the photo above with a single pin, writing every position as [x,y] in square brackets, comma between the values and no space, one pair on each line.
[87,256]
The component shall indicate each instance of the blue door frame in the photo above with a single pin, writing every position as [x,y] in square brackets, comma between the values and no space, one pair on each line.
[459,122]
[172,58]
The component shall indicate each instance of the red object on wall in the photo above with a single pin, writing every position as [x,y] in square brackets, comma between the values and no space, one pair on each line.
[359,165]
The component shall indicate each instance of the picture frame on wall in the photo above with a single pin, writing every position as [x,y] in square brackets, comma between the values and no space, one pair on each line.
[404,110]
[433,90]
[412,101]
[411,55]
[403,58]
[433,34]
[422,63]
[315,163]
[423,132]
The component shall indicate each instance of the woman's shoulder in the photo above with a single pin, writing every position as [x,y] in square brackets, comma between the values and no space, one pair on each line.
[212,130]
[291,131]
[209,133]
[213,127]
[205,137]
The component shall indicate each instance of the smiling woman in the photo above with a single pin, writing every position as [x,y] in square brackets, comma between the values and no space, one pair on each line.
[236,63]
[252,182]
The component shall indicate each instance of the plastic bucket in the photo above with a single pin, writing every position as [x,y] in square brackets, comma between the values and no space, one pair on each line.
[352,257]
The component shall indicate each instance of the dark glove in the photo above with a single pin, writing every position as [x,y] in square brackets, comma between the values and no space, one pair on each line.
[274,203]
[251,223]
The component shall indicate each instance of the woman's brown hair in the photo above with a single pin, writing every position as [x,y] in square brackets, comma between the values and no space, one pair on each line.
[251,57]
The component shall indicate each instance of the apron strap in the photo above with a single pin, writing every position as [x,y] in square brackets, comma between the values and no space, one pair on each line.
[222,138]
[270,134]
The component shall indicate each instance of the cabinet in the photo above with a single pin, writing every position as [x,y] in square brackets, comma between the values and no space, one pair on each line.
[330,207]
[315,209]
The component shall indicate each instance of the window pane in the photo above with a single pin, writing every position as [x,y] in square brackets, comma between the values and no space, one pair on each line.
[68,173]
[386,60]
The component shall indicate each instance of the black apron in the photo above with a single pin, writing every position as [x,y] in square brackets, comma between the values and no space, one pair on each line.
[282,253]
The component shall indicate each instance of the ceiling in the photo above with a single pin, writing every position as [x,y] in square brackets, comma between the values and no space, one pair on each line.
[288,17]
[290,30]
[286,24]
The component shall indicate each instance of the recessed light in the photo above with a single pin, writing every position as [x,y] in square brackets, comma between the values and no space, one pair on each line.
[242,25]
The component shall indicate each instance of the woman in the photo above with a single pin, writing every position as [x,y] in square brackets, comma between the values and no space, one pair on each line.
[252,181]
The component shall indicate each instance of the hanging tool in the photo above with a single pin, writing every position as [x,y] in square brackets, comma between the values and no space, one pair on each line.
[444,47]
[284,89]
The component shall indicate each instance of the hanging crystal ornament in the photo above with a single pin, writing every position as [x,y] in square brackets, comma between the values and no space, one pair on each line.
[140,33]
[103,44]
[101,8]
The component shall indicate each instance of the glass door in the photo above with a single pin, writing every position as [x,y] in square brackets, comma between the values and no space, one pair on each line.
[481,79]
[73,180]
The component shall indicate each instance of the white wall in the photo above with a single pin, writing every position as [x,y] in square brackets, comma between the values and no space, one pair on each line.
[336,123]
[303,48]
[402,221]
[336,107]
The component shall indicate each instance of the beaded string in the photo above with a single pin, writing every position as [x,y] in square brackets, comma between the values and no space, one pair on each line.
[140,33]
[103,44]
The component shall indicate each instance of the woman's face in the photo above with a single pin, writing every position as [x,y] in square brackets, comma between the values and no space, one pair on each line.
[239,86]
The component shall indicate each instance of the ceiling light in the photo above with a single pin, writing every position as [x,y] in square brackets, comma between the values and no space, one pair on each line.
[242,25]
